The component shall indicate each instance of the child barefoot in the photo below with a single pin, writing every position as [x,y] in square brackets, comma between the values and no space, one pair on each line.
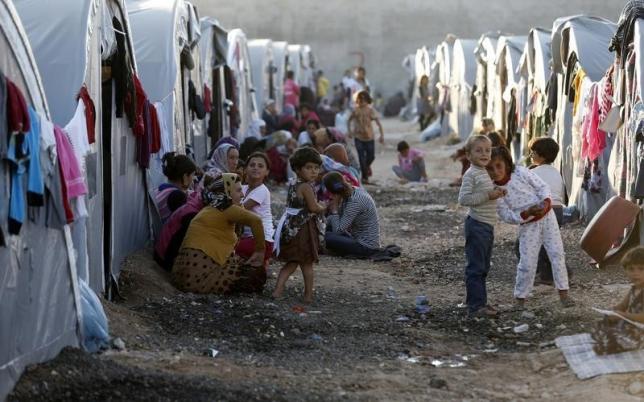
[363,116]
[478,193]
[298,233]
[528,204]
[614,334]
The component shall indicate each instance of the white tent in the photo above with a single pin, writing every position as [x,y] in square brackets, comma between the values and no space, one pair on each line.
[38,292]
[238,60]
[216,75]
[583,41]
[79,39]
[263,70]
[485,75]
[280,60]
[301,62]
[462,81]
[508,53]
[535,71]
[443,67]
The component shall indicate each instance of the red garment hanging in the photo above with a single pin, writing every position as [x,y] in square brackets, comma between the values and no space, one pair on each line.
[90,113]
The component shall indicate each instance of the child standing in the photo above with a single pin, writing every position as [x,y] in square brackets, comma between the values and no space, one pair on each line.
[478,193]
[298,234]
[528,203]
[363,117]
[614,334]
[543,152]
[411,163]
[257,199]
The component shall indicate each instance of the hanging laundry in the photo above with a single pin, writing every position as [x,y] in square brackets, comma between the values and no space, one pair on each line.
[73,180]
[143,141]
[123,75]
[141,97]
[576,84]
[17,114]
[606,94]
[77,134]
[90,114]
[207,99]
[35,183]
[195,104]
[593,139]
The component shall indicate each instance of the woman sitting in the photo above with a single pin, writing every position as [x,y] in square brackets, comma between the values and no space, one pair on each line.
[352,223]
[223,159]
[180,171]
[338,152]
[205,263]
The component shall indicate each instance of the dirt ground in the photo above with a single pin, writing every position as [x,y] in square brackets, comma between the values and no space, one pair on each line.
[361,339]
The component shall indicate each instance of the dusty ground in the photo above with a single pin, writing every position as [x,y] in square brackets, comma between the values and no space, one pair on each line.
[361,339]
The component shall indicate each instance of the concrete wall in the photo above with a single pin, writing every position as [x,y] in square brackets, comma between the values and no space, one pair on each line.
[385,31]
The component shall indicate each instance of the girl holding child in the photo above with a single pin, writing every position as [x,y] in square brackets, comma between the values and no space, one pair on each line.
[298,234]
[527,203]
[180,171]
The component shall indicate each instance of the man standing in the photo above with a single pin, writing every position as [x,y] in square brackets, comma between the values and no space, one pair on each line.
[323,85]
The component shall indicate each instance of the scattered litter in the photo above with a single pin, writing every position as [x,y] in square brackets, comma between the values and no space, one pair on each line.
[447,363]
[461,305]
[316,337]
[521,328]
[422,305]
[430,208]
[315,312]
[492,350]
[547,344]
[391,293]
[523,343]
[528,315]
[561,327]
[406,228]
[118,344]
[539,326]
[212,352]
[402,318]
[298,309]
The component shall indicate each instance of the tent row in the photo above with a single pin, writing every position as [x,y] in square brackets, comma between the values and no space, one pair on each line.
[562,82]
[110,86]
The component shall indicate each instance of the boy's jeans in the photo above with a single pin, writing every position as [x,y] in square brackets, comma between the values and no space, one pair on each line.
[366,154]
[479,238]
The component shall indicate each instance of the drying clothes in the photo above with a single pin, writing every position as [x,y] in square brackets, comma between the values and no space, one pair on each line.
[17,155]
[141,97]
[207,99]
[76,131]
[4,132]
[632,11]
[551,97]
[512,120]
[122,73]
[576,85]
[195,104]
[35,183]
[74,183]
[48,155]
[90,114]
[593,139]
[165,132]
[606,94]
[17,114]
[143,141]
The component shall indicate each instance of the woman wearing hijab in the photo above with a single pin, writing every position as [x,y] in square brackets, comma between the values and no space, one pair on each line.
[224,159]
[288,121]
[206,263]
[257,129]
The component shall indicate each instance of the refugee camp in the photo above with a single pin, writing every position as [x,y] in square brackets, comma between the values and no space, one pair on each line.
[317,201]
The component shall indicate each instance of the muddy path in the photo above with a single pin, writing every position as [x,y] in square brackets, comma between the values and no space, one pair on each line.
[362,338]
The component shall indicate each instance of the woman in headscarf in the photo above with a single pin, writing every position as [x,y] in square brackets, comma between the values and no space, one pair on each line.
[223,159]
[206,263]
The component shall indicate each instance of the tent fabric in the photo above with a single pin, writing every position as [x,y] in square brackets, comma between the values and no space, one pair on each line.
[73,61]
[239,62]
[586,38]
[262,69]
[36,301]
[536,58]
[280,60]
[485,53]
[462,81]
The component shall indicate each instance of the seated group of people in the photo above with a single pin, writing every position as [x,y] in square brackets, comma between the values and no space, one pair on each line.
[218,233]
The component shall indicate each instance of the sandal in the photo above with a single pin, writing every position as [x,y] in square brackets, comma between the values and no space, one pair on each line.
[567,302]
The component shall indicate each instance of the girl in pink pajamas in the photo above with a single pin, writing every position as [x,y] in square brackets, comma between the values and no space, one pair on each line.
[527,204]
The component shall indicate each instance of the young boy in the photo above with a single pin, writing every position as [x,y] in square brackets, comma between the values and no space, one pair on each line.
[479,193]
[411,163]
[543,152]
[363,116]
